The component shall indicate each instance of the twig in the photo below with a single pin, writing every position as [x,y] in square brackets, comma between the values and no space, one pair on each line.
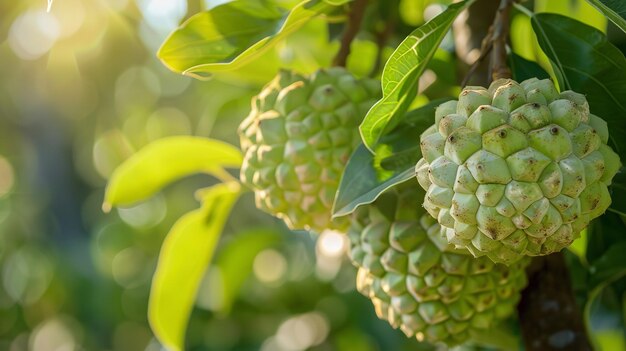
[549,316]
[485,49]
[357,12]
[499,67]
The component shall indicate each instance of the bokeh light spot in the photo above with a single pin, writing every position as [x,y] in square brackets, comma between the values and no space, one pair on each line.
[302,332]
[269,266]
[332,243]
[53,335]
[33,34]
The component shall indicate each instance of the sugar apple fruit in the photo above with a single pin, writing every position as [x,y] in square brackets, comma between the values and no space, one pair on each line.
[420,283]
[297,140]
[517,169]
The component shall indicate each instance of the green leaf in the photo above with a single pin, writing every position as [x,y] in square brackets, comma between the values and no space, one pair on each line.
[165,161]
[618,193]
[609,267]
[402,72]
[586,62]
[233,34]
[524,69]
[362,185]
[603,233]
[367,176]
[614,10]
[185,254]
[235,261]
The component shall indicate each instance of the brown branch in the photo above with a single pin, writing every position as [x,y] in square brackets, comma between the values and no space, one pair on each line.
[470,30]
[355,17]
[499,67]
[485,49]
[549,316]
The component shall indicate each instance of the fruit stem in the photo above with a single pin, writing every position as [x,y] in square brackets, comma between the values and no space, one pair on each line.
[499,67]
[549,316]
[355,17]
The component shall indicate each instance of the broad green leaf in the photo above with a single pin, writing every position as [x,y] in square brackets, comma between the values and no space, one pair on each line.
[603,233]
[367,176]
[235,260]
[184,257]
[609,267]
[618,193]
[586,62]
[614,10]
[165,161]
[233,34]
[576,9]
[605,270]
[401,74]
[524,69]
[362,185]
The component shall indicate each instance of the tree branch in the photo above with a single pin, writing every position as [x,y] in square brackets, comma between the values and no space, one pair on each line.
[355,17]
[549,316]
[472,31]
[485,49]
[499,67]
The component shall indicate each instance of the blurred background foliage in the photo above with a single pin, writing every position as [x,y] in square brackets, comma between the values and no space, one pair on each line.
[80,91]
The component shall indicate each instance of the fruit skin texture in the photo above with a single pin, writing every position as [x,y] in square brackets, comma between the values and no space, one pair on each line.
[420,283]
[517,169]
[297,140]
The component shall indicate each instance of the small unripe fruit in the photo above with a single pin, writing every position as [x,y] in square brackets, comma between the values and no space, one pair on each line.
[297,140]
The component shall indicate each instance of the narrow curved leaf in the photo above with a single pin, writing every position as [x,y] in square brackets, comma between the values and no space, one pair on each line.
[165,161]
[367,176]
[614,10]
[337,2]
[401,74]
[233,34]
[586,62]
[184,257]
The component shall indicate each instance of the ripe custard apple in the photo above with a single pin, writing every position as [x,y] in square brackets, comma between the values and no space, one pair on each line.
[297,140]
[420,283]
[517,169]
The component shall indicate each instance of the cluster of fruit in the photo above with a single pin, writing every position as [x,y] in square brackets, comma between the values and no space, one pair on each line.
[508,172]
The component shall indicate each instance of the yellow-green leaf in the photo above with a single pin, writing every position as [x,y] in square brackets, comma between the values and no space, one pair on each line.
[233,34]
[165,161]
[401,74]
[185,255]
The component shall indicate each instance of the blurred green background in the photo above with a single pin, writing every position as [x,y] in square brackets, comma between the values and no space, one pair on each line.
[80,91]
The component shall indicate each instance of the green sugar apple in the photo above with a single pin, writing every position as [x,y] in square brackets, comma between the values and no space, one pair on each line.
[297,140]
[517,169]
[420,283]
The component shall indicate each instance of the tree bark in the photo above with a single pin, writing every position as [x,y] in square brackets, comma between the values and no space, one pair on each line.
[549,317]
